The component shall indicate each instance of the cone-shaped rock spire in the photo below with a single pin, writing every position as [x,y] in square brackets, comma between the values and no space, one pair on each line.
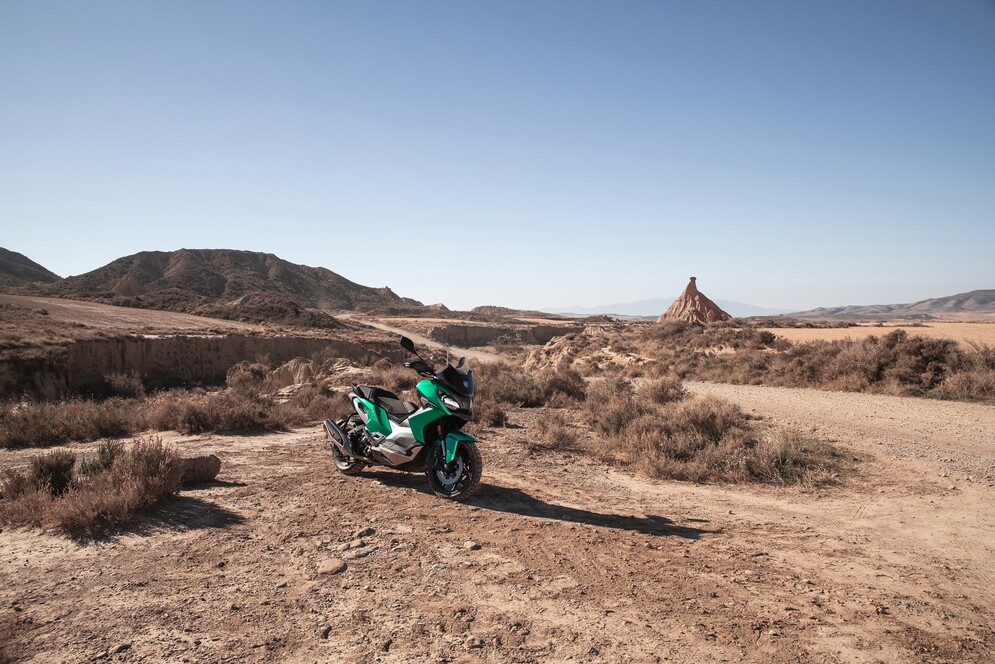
[694,307]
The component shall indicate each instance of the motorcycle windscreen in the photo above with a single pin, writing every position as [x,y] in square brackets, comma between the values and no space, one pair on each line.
[460,381]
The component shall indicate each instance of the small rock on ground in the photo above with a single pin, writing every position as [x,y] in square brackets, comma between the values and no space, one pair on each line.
[331,566]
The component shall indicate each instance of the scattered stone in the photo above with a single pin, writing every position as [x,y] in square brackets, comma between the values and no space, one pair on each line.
[282,584]
[332,566]
[470,545]
[474,642]
[365,532]
[103,654]
[386,645]
[325,631]
[357,553]
[120,648]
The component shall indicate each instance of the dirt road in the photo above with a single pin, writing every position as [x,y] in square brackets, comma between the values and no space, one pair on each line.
[421,340]
[558,559]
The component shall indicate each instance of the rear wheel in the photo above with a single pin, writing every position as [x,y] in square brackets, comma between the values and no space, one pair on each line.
[460,479]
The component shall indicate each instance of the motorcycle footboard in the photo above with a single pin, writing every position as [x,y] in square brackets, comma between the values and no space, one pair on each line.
[338,438]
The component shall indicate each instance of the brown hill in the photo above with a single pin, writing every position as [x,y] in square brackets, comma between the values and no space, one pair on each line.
[977,302]
[222,282]
[694,307]
[18,270]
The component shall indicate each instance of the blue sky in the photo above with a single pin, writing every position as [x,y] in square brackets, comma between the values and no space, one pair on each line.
[527,154]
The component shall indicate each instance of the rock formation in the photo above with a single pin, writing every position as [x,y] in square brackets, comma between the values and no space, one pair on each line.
[692,306]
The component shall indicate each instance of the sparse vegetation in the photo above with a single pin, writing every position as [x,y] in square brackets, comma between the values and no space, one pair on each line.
[51,495]
[43,424]
[659,429]
[895,363]
[125,385]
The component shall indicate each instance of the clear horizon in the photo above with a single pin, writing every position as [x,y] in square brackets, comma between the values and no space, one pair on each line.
[541,155]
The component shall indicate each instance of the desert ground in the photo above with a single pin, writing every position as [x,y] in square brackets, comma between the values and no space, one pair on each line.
[559,558]
[110,319]
[963,332]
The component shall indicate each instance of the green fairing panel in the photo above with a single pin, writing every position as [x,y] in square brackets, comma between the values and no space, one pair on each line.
[376,417]
[430,391]
[452,441]
[422,419]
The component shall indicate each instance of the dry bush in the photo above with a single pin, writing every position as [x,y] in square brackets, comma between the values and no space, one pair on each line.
[137,479]
[553,431]
[312,403]
[53,471]
[710,440]
[708,417]
[30,424]
[221,411]
[489,413]
[391,376]
[562,385]
[124,385]
[246,377]
[503,384]
[663,390]
[107,452]
[611,406]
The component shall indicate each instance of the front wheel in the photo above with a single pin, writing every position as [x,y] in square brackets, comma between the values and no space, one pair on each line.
[459,479]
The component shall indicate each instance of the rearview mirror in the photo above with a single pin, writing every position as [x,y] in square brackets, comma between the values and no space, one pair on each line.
[461,362]
[408,344]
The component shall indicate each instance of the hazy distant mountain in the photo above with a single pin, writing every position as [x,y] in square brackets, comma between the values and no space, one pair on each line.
[973,302]
[19,270]
[224,282]
[657,306]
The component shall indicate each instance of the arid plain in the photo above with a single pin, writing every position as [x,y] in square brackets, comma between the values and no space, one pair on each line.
[848,520]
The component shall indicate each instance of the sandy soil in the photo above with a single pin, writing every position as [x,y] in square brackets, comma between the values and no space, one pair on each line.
[962,332]
[576,561]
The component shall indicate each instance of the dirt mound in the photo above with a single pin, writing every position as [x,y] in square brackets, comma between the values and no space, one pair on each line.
[694,307]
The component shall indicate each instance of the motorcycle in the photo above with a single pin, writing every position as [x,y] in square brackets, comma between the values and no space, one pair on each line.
[388,431]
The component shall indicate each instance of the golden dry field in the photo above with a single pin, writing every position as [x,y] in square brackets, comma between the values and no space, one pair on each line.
[964,333]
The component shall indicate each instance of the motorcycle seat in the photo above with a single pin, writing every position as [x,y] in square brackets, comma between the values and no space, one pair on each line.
[397,409]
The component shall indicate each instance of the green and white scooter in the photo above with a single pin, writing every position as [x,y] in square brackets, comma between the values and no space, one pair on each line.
[387,431]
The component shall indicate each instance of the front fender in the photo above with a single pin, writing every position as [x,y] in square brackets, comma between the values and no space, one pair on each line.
[452,440]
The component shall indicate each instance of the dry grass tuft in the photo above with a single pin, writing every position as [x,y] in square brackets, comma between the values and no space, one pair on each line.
[663,390]
[136,479]
[704,439]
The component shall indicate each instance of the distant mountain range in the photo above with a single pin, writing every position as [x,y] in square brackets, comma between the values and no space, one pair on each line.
[247,285]
[225,275]
[980,302]
[657,306]
[239,285]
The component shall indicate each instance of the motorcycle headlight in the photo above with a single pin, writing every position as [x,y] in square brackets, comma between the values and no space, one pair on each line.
[450,403]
